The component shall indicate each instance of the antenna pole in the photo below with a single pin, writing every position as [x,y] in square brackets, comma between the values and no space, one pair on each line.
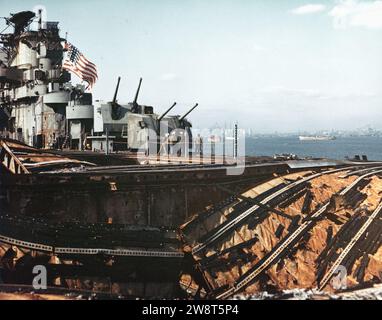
[39,19]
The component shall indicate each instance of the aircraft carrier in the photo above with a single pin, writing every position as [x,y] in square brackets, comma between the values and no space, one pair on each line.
[116,200]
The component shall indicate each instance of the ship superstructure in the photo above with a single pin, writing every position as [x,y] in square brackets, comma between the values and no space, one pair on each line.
[40,106]
[35,91]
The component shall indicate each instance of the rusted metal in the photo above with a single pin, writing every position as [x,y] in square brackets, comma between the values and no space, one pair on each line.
[18,158]
[10,161]
[258,203]
[349,246]
[207,250]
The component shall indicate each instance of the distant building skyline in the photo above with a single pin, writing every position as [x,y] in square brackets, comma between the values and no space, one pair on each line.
[270,65]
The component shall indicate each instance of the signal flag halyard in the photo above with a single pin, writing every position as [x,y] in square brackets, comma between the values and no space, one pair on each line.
[77,63]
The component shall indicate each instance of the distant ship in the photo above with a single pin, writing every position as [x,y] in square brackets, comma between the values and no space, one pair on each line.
[316,138]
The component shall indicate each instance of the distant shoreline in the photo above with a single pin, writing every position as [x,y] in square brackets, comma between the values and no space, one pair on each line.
[338,149]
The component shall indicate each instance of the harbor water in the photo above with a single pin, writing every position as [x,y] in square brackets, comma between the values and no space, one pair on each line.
[333,149]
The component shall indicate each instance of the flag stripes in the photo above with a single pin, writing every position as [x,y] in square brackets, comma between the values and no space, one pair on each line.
[77,63]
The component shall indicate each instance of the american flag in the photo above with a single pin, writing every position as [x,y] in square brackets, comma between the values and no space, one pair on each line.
[77,63]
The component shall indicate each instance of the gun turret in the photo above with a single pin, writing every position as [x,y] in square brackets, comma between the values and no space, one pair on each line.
[167,111]
[114,105]
[188,112]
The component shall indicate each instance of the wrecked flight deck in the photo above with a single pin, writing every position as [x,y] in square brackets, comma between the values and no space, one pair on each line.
[185,230]
[305,230]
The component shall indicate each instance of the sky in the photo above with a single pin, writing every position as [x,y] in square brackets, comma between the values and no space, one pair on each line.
[269,65]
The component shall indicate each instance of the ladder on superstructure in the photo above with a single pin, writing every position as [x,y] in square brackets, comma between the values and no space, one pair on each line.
[65,143]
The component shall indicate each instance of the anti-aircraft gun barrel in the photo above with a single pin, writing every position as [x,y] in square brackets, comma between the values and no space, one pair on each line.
[114,105]
[167,111]
[137,93]
[188,112]
[116,91]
